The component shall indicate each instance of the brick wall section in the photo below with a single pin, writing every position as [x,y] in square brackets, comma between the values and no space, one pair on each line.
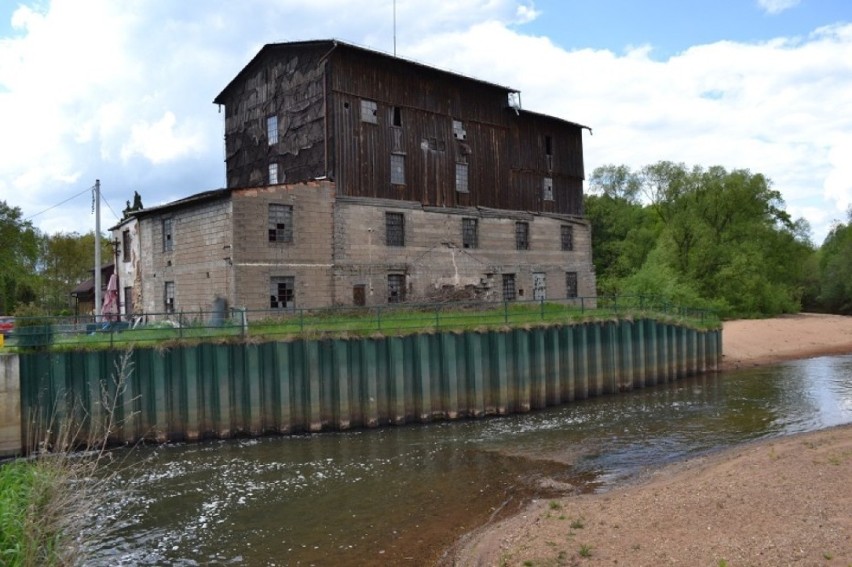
[307,258]
[433,256]
[197,263]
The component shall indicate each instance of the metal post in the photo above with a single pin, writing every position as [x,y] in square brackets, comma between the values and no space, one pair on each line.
[97,206]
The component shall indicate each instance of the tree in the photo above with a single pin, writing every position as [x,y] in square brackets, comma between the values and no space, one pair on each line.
[66,260]
[835,268]
[18,259]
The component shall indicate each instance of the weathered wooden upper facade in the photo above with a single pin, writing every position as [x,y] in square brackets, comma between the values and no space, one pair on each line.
[383,127]
[356,178]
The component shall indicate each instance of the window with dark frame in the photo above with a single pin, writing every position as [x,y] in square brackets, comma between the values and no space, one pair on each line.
[282,292]
[570,284]
[168,235]
[397,163]
[462,178]
[169,297]
[396,288]
[509,292]
[394,229]
[273,174]
[470,233]
[567,237]
[280,223]
[396,116]
[522,235]
[125,245]
[369,111]
[272,129]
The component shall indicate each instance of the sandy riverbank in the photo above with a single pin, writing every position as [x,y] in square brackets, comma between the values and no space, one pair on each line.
[780,502]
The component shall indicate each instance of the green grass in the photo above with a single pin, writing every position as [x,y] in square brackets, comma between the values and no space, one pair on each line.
[345,322]
[585,551]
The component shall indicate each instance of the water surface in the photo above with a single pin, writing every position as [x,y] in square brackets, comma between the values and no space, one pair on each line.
[402,495]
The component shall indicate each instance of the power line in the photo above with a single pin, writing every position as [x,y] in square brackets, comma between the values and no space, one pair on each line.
[60,204]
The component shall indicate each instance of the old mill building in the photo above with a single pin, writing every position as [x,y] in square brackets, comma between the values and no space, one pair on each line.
[359,178]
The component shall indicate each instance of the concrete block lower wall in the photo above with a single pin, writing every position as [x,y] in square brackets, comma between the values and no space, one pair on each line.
[10,405]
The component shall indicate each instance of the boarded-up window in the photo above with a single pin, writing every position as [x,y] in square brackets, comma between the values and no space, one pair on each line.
[168,235]
[282,293]
[570,284]
[522,235]
[567,237]
[397,169]
[548,152]
[396,288]
[369,111]
[547,189]
[470,233]
[280,223]
[273,174]
[169,297]
[128,300]
[394,229]
[272,129]
[509,293]
[359,295]
[461,178]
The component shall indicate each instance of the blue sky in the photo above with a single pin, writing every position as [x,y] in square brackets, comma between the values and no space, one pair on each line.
[122,91]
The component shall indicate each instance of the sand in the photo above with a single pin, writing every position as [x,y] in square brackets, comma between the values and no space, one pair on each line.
[786,501]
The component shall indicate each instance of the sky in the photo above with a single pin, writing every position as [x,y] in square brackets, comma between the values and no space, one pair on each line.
[122,91]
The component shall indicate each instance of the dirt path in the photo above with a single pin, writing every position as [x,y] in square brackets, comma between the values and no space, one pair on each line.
[786,501]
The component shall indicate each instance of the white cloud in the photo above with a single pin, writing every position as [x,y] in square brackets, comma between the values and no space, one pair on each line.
[159,142]
[776,6]
[122,91]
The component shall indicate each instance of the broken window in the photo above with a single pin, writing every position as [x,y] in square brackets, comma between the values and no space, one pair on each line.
[397,169]
[394,229]
[509,293]
[169,297]
[125,246]
[522,235]
[396,288]
[567,237]
[282,292]
[369,111]
[168,236]
[272,129]
[459,132]
[461,178]
[570,284]
[273,174]
[396,116]
[280,223]
[470,233]
[547,189]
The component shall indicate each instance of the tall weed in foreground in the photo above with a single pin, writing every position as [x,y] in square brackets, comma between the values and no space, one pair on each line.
[49,499]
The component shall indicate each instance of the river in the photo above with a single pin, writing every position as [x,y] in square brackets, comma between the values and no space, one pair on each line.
[403,495]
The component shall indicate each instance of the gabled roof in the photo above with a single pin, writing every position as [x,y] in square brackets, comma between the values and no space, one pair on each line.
[331,45]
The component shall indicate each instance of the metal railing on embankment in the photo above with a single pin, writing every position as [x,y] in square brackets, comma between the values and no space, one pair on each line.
[387,319]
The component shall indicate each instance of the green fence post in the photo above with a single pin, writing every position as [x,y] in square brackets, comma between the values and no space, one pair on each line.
[506,311]
[379,318]
[301,320]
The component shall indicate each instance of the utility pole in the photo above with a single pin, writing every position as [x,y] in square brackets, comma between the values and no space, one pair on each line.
[97,207]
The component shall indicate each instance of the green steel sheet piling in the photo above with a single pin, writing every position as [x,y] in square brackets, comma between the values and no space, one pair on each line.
[223,390]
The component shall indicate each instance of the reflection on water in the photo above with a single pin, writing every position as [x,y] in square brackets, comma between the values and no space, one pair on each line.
[401,495]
